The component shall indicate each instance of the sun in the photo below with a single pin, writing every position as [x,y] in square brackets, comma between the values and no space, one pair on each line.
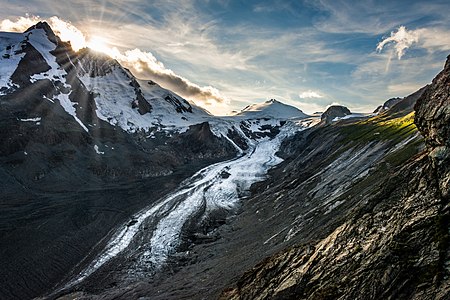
[99,44]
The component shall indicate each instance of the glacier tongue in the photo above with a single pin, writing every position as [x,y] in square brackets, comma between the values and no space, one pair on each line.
[204,192]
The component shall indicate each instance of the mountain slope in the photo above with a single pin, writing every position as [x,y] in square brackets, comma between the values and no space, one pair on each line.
[391,243]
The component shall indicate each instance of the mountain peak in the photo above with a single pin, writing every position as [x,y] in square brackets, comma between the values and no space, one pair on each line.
[46,27]
[334,111]
[271,109]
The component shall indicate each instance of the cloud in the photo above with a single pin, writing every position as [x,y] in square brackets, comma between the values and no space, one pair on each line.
[20,25]
[402,38]
[65,30]
[310,94]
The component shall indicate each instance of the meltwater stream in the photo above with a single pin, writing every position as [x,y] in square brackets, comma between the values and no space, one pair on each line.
[208,189]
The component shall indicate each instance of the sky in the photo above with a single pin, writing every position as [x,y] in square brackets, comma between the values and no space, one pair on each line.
[225,54]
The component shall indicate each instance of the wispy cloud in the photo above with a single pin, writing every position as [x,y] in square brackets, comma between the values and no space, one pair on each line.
[402,40]
[434,39]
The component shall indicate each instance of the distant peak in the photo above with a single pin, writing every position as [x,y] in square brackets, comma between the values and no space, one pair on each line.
[272,109]
[334,111]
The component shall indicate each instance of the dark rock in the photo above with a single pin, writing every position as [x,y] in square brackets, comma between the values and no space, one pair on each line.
[433,120]
[387,105]
[32,63]
[334,111]
[179,104]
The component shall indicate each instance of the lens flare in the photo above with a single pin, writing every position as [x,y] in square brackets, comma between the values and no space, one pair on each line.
[98,44]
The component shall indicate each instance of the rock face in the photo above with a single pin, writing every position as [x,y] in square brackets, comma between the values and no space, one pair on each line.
[392,244]
[433,120]
[334,111]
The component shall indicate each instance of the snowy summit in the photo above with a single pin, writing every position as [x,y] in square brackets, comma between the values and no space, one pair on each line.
[271,109]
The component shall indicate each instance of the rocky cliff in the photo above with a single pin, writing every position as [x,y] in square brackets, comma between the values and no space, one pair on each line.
[392,244]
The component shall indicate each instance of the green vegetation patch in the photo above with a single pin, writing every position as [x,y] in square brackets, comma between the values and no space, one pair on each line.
[380,129]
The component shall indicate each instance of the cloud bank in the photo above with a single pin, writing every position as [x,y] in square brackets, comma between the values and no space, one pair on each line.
[142,64]
[145,65]
[310,94]
[65,30]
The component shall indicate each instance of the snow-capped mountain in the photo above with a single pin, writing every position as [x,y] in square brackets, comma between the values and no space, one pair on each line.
[120,99]
[80,130]
[271,109]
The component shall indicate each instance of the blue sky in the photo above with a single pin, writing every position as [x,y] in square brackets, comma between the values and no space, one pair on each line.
[226,54]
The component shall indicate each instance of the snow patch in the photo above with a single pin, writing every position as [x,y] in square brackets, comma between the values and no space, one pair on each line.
[31,119]
[70,109]
[354,115]
[97,150]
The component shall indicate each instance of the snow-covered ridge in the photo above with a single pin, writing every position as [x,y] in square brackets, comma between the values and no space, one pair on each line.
[13,49]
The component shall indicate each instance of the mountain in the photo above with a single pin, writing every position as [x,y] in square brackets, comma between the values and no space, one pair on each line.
[38,56]
[116,188]
[86,146]
[271,109]
[334,113]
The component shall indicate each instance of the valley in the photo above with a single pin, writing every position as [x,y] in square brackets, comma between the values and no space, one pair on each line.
[117,188]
